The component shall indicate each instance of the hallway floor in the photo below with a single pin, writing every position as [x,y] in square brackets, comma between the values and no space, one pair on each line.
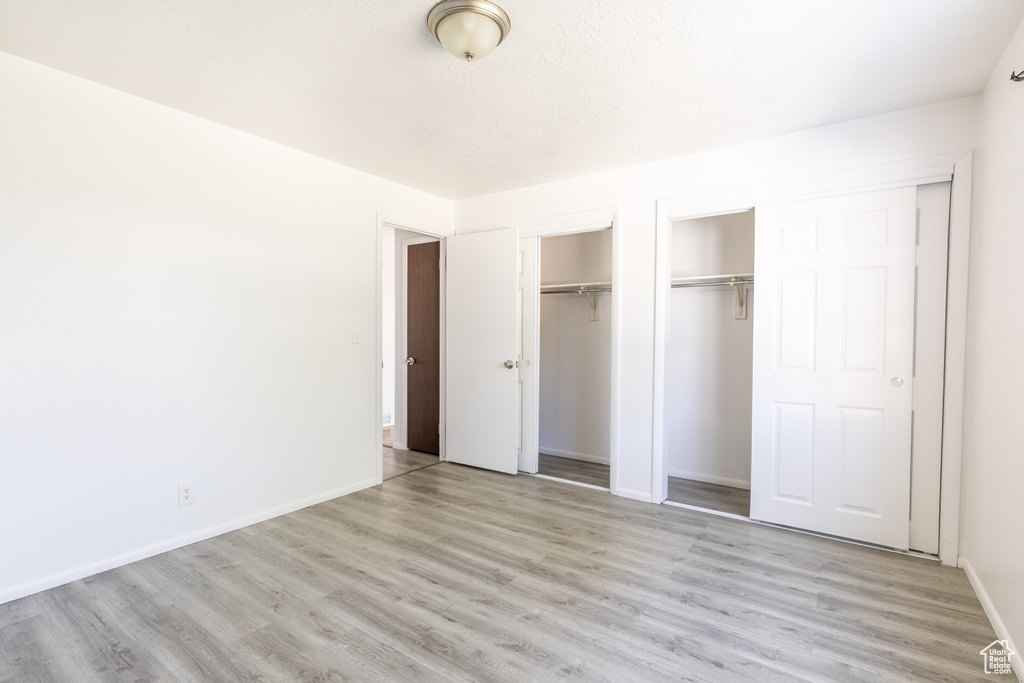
[399,462]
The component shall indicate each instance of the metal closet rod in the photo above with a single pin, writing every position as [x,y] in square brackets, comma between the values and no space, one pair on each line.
[577,288]
[713,281]
[677,283]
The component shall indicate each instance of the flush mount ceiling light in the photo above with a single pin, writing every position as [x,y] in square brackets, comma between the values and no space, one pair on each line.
[469,29]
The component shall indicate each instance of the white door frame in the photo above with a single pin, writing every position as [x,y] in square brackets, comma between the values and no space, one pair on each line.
[567,224]
[954,166]
[929,364]
[387,221]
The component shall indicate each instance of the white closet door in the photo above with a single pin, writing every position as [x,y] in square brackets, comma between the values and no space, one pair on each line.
[482,384]
[833,365]
[529,342]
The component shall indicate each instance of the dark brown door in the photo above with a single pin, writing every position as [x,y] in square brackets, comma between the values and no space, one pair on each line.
[423,345]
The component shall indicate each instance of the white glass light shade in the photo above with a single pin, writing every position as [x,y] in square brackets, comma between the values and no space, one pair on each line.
[469,29]
[469,35]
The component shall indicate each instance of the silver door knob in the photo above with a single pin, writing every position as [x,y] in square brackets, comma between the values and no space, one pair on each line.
[896,381]
[510,364]
[410,360]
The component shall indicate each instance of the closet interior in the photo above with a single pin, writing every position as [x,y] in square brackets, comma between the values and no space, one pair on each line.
[709,363]
[575,357]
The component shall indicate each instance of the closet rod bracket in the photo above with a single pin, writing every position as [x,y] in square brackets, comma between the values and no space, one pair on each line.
[741,300]
[595,311]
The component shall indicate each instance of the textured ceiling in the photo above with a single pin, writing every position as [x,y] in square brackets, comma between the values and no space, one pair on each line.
[578,87]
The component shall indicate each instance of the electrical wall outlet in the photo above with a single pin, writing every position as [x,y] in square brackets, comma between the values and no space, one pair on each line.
[186,494]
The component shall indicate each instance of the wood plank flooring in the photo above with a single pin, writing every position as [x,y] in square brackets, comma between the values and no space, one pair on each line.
[450,573]
[397,463]
[712,496]
[592,473]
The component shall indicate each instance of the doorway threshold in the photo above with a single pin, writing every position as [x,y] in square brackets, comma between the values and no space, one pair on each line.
[741,518]
[567,481]
[709,511]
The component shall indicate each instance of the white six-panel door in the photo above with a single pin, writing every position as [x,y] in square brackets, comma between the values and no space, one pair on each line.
[482,384]
[833,365]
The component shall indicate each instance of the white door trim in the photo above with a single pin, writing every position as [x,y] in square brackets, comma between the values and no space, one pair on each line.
[929,365]
[388,221]
[956,166]
[562,224]
[956,359]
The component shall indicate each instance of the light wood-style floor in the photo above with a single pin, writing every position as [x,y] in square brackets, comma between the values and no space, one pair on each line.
[711,496]
[450,573]
[397,462]
[592,473]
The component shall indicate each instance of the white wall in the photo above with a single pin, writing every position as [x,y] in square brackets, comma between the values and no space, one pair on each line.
[994,463]
[715,245]
[575,351]
[896,136]
[709,354]
[178,303]
[576,258]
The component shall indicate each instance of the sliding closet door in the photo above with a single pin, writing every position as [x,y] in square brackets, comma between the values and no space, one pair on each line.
[833,365]
[482,384]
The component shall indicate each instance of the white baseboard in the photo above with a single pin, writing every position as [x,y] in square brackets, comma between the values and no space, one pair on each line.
[710,479]
[997,623]
[573,456]
[86,570]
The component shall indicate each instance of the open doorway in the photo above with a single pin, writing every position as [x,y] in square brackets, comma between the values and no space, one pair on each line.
[490,301]
[411,337]
[709,355]
[575,357]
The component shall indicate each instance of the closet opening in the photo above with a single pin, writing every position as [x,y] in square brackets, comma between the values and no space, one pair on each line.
[710,430]
[575,358]
[855,363]
[709,363]
[411,337]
